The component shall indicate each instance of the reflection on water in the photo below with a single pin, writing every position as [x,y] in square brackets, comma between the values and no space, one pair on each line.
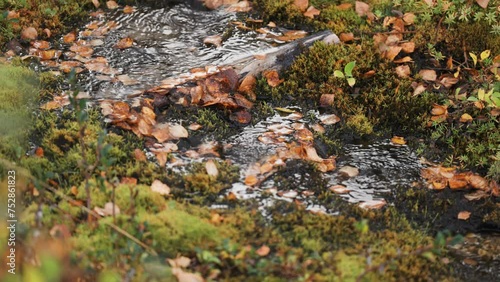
[169,41]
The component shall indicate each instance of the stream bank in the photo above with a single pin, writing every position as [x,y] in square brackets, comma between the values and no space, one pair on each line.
[292,242]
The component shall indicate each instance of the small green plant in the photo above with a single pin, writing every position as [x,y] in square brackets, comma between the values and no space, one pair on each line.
[490,98]
[434,53]
[347,74]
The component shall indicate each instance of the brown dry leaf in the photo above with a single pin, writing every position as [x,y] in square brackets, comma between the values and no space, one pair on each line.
[108,209]
[39,152]
[458,181]
[194,126]
[362,9]
[429,75]
[346,37]
[111,5]
[263,251]
[159,187]
[372,205]
[465,118]
[448,81]
[483,3]
[311,12]
[139,155]
[273,78]
[211,168]
[241,117]
[215,40]
[438,110]
[392,52]
[476,195]
[69,38]
[397,140]
[41,44]
[247,86]
[409,18]
[344,6]
[318,128]
[47,54]
[126,80]
[478,182]
[329,119]
[311,154]
[183,276]
[339,189]
[96,3]
[304,134]
[326,100]
[406,59]
[180,262]
[403,71]
[242,6]
[408,47]
[464,215]
[213,4]
[56,103]
[265,168]
[251,180]
[301,4]
[128,9]
[349,171]
[29,33]
[125,43]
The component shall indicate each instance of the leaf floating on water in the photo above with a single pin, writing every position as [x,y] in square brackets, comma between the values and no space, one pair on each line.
[251,180]
[128,9]
[464,215]
[242,6]
[159,187]
[339,189]
[215,40]
[397,140]
[211,168]
[349,171]
[125,43]
[126,80]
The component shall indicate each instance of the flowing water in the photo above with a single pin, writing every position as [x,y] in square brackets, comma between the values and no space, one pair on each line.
[169,41]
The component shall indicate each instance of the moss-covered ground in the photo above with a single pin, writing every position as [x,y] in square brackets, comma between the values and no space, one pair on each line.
[70,159]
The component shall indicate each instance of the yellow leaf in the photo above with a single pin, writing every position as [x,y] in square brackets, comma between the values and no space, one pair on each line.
[398,140]
[465,118]
[485,54]
[474,57]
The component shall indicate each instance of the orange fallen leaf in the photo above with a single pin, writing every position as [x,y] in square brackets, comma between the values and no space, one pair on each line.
[251,180]
[478,182]
[438,110]
[139,155]
[311,12]
[242,6]
[408,47]
[372,205]
[96,3]
[272,77]
[361,8]
[465,118]
[464,215]
[483,3]
[39,152]
[409,18]
[301,4]
[398,140]
[346,37]
[29,33]
[458,181]
[329,119]
[263,251]
[339,189]
[326,100]
[124,43]
[215,40]
[403,71]
[128,9]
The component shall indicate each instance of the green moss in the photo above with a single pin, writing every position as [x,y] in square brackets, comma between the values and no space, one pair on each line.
[360,124]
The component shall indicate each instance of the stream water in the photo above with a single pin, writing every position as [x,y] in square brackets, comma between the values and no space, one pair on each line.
[169,41]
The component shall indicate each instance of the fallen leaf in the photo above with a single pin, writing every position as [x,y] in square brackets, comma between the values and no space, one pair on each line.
[126,80]
[464,118]
[251,180]
[29,33]
[476,195]
[211,168]
[403,71]
[329,119]
[241,117]
[398,140]
[215,40]
[108,209]
[111,5]
[96,3]
[180,262]
[301,4]
[242,6]
[339,189]
[265,168]
[409,18]
[128,9]
[429,75]
[124,43]
[458,181]
[311,12]
[194,126]
[478,182]
[247,86]
[159,187]
[463,215]
[406,59]
[346,37]
[213,4]
[408,47]
[326,100]
[438,110]
[372,205]
[392,52]
[349,171]
[312,155]
[263,251]
[483,3]
[39,152]
[272,77]
[361,8]
[318,128]
[183,276]
[139,155]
